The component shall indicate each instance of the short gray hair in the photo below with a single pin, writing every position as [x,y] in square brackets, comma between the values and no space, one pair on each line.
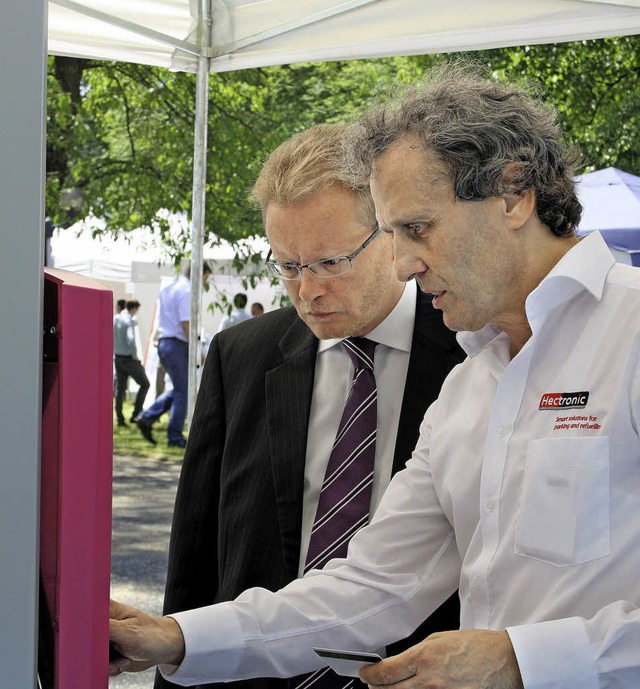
[492,136]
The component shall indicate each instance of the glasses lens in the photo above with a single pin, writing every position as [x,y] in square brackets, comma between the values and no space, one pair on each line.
[283,271]
[330,267]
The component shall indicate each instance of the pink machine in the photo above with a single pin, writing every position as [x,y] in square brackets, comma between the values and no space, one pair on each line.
[77,444]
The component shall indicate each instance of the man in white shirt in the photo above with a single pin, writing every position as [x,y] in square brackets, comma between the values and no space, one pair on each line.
[238,313]
[273,388]
[524,488]
[174,314]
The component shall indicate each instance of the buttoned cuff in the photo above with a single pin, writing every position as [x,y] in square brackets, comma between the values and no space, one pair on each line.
[212,642]
[554,655]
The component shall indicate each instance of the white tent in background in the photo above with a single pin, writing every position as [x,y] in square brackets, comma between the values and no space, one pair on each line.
[611,202]
[138,266]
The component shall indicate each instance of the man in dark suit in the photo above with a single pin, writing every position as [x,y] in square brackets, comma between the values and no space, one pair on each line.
[273,388]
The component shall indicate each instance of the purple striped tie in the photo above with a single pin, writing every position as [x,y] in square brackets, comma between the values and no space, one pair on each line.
[345,498]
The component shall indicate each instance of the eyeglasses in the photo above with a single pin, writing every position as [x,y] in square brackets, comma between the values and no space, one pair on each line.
[324,268]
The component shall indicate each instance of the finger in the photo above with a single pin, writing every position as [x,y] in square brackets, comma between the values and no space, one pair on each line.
[118,611]
[118,642]
[387,672]
[118,665]
[115,630]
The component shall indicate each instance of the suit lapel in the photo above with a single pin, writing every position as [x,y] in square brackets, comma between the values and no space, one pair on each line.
[289,388]
[434,351]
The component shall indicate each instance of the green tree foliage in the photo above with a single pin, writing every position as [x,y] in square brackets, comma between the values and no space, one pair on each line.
[596,87]
[123,133]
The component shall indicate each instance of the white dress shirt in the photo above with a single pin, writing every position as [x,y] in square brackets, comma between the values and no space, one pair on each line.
[175,308]
[523,489]
[332,382]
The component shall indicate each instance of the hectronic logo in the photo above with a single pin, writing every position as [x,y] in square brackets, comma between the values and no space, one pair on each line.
[564,400]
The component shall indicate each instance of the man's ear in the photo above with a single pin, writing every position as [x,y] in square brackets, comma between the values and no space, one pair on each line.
[520,204]
[519,207]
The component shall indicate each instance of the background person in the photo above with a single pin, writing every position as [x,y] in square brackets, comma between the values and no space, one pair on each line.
[127,362]
[173,351]
[257,309]
[238,313]
[274,388]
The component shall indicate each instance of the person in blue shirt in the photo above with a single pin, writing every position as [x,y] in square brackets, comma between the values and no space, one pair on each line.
[173,351]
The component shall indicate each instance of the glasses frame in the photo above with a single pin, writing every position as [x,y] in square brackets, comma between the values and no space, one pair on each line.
[270,264]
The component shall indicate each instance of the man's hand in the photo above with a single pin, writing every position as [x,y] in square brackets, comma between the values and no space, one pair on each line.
[467,659]
[139,641]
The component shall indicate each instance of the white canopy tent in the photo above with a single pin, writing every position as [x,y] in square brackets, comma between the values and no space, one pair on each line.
[248,33]
[203,36]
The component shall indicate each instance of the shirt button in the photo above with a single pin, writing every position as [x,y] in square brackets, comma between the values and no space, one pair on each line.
[491,506]
[502,432]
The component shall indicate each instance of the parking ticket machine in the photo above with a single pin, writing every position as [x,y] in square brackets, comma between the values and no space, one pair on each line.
[76,473]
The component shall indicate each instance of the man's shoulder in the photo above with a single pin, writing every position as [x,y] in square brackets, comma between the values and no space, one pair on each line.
[264,331]
[271,322]
[177,286]
[264,341]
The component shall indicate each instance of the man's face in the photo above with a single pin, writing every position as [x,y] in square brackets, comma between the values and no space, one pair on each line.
[461,251]
[328,225]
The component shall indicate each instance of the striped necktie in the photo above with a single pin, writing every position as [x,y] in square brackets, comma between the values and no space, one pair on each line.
[345,498]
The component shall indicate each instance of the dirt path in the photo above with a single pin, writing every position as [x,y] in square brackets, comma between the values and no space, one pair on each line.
[143,496]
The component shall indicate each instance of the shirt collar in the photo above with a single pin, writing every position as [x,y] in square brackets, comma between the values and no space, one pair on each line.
[584,267]
[396,330]
[588,263]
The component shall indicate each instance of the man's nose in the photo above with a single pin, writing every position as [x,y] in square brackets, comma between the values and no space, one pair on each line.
[406,262]
[310,286]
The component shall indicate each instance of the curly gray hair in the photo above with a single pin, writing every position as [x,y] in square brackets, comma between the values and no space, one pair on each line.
[492,136]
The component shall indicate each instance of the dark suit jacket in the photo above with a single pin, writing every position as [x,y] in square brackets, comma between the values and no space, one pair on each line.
[238,509]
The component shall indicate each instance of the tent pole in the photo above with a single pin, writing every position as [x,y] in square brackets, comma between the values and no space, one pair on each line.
[22,153]
[199,201]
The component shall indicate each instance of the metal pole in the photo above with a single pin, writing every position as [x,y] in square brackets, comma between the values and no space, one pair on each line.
[23,75]
[199,200]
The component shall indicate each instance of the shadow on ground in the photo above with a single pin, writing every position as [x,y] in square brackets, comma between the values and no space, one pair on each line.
[143,495]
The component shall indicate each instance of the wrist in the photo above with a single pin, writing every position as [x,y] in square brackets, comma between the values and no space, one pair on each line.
[174,642]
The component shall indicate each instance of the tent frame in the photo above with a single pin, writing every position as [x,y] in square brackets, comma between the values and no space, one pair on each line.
[205,24]
[23,71]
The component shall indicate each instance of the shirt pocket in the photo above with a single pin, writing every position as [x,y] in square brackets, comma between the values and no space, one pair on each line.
[564,513]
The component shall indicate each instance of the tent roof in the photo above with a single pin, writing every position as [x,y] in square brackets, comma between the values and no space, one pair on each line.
[611,203]
[611,176]
[253,33]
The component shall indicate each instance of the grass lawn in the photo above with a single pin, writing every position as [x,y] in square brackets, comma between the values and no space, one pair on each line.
[127,440]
